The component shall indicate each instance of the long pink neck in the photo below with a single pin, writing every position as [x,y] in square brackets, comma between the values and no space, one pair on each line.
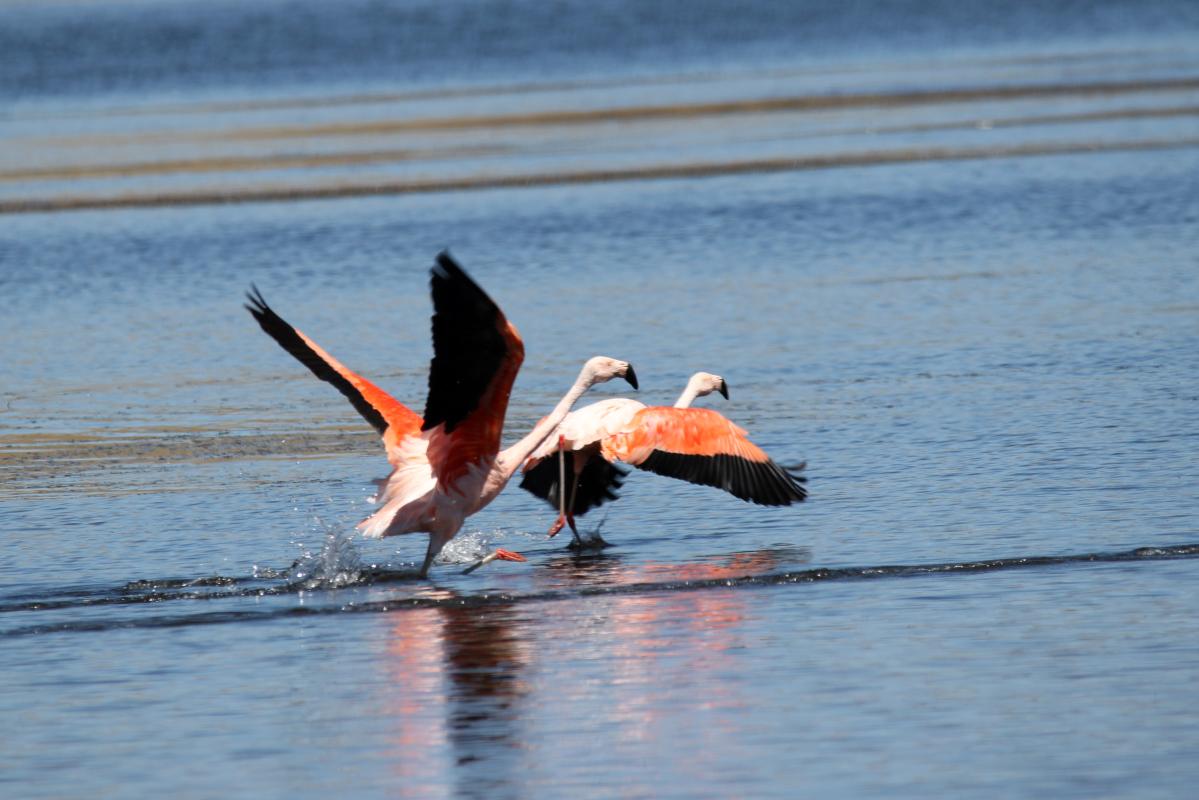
[510,460]
[688,395]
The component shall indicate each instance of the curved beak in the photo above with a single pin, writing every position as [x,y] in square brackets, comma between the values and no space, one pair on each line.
[631,376]
[724,389]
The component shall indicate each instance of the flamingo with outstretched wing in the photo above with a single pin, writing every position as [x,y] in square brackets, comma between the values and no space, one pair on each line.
[693,444]
[446,465]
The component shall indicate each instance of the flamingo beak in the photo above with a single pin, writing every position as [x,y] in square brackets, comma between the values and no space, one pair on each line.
[724,389]
[631,377]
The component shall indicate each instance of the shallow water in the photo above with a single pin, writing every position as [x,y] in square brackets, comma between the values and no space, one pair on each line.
[953,270]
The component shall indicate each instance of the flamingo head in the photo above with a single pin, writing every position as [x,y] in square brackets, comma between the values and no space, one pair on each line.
[601,369]
[705,383]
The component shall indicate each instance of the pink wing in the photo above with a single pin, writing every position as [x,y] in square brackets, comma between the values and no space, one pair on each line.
[701,446]
[391,418]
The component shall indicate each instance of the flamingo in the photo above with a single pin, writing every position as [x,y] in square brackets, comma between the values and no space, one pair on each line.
[447,464]
[694,444]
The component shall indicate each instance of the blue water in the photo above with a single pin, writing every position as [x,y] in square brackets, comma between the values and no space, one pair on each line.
[87,50]
[975,318]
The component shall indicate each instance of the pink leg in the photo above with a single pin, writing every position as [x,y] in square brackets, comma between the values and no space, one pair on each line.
[561,520]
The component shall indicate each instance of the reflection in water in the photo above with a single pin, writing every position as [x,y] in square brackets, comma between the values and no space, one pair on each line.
[486,659]
[467,706]
[419,738]
[659,668]
[603,568]
[468,725]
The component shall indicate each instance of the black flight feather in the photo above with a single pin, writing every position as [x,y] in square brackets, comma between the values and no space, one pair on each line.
[289,339]
[761,482]
[597,484]
[468,345]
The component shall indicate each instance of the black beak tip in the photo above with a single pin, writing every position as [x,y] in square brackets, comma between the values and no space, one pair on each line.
[631,377]
[724,389]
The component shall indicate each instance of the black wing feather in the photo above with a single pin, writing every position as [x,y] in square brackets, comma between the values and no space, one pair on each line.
[761,482]
[291,341]
[468,346]
[598,482]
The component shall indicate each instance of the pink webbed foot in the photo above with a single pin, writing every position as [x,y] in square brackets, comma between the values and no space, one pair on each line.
[562,521]
[499,554]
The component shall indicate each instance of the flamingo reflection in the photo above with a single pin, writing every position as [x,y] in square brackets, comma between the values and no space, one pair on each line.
[640,638]
[459,674]
[468,711]
[608,569]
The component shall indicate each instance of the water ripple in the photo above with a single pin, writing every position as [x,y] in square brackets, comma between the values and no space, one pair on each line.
[154,591]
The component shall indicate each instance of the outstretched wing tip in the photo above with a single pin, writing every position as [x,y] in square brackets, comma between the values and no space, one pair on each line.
[377,407]
[446,267]
[476,351]
[257,305]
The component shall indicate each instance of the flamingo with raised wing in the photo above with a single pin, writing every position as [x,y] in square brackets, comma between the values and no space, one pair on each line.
[693,444]
[446,465]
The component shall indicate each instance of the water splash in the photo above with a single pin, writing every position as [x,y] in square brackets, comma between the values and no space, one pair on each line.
[335,565]
[468,547]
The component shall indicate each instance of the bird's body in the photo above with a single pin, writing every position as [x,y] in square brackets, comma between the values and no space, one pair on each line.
[693,444]
[583,430]
[446,464]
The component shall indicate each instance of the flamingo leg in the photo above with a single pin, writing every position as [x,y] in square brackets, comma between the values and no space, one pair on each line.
[561,520]
[577,465]
[593,539]
[435,545]
[424,569]
[498,553]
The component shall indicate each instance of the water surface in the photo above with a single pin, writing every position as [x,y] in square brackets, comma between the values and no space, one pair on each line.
[946,259]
